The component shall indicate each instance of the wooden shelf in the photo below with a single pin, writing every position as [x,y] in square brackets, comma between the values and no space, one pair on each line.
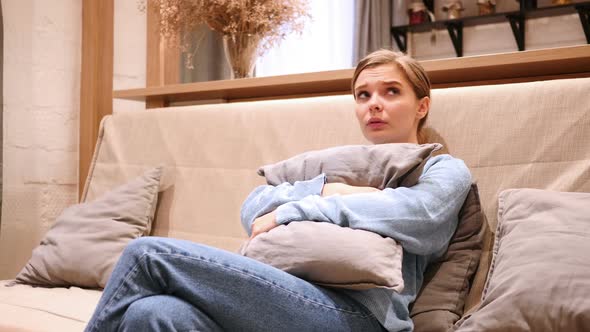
[467,21]
[328,82]
[531,65]
[496,17]
[515,18]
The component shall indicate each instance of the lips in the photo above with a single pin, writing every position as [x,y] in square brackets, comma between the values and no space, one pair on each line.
[375,123]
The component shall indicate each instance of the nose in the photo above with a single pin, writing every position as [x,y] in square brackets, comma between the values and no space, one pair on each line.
[375,104]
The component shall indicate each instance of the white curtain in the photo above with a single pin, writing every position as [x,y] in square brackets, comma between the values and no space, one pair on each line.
[326,42]
[373,21]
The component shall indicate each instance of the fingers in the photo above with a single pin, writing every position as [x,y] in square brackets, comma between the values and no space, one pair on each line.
[263,224]
[259,229]
[256,229]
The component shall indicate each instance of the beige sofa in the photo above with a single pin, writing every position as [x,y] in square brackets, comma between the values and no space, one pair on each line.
[517,135]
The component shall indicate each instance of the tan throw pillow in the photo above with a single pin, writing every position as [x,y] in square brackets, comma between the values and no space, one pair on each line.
[378,166]
[540,274]
[85,242]
[440,302]
[330,255]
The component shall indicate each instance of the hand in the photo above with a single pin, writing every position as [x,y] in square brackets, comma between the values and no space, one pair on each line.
[344,189]
[264,224]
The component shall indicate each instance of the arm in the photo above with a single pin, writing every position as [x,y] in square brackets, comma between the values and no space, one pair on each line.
[268,221]
[265,199]
[336,188]
[421,218]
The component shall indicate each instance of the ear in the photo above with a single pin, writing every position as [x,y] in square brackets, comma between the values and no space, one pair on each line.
[423,108]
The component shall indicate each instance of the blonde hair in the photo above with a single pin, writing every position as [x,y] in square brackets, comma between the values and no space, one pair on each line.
[414,72]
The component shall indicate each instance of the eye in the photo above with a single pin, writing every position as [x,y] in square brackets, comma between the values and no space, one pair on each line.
[392,91]
[362,94]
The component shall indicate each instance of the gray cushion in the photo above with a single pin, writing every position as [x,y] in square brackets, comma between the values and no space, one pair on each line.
[378,166]
[330,255]
[539,279]
[85,242]
[447,281]
[310,250]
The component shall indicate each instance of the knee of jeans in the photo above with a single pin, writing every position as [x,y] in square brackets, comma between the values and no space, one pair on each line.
[140,246]
[143,313]
[139,310]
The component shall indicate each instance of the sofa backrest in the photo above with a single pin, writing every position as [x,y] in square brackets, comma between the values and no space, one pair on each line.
[211,154]
[525,135]
[514,135]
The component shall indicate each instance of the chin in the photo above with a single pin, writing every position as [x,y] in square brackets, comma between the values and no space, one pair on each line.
[379,139]
[385,137]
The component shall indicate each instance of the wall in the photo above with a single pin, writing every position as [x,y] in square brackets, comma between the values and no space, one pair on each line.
[129,64]
[41,100]
[1,102]
[42,50]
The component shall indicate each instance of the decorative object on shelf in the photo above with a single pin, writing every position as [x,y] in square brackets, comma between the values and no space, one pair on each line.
[486,7]
[561,2]
[419,13]
[453,9]
[249,27]
[241,51]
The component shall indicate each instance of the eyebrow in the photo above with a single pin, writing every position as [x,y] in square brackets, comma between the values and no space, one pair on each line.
[386,82]
[392,82]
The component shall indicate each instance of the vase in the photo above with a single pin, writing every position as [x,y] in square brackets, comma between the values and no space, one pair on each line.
[241,51]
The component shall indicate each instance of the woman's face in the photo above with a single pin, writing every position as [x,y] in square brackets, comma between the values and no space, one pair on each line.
[387,108]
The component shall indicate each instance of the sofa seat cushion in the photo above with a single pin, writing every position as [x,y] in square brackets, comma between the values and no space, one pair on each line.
[28,308]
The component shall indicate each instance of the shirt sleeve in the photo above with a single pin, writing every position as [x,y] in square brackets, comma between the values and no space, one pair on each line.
[422,218]
[267,198]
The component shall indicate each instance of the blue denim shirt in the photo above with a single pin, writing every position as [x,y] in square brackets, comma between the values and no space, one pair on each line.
[422,218]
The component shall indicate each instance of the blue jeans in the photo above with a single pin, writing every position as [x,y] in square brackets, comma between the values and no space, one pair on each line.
[162,284]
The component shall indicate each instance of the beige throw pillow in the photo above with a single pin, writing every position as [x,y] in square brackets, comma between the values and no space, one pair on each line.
[539,279]
[312,252]
[378,166]
[330,255]
[85,242]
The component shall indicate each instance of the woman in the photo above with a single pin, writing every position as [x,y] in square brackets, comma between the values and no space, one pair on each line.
[165,284]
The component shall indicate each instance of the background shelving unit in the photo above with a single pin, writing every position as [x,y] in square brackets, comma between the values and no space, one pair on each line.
[528,9]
